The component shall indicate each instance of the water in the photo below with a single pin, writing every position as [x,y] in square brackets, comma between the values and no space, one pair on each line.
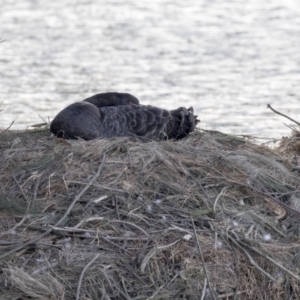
[227,59]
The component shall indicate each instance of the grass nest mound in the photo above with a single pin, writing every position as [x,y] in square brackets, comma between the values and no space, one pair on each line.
[209,217]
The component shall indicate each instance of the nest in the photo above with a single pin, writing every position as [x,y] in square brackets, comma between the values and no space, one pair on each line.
[209,217]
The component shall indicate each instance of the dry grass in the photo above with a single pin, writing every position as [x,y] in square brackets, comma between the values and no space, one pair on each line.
[210,217]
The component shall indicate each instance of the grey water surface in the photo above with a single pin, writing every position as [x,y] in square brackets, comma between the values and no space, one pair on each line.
[226,58]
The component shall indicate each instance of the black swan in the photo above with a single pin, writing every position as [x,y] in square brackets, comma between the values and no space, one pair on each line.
[119,114]
[112,99]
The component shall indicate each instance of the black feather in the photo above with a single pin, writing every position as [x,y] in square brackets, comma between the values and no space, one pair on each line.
[112,99]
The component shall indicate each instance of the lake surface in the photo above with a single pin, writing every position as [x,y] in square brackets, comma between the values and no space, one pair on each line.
[227,59]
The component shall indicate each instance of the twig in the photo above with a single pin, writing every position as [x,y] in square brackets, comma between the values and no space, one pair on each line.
[113,285]
[35,239]
[81,193]
[292,128]
[232,294]
[152,252]
[88,220]
[72,229]
[22,191]
[82,274]
[174,227]
[26,216]
[131,224]
[21,246]
[264,194]
[99,186]
[107,240]
[204,289]
[7,127]
[162,287]
[272,261]
[202,259]
[219,196]
[125,289]
[279,113]
[251,259]
[85,233]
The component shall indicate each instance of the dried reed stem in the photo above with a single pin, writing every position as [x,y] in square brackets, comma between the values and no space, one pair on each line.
[35,239]
[252,260]
[7,127]
[82,192]
[82,274]
[281,114]
[272,261]
[202,259]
